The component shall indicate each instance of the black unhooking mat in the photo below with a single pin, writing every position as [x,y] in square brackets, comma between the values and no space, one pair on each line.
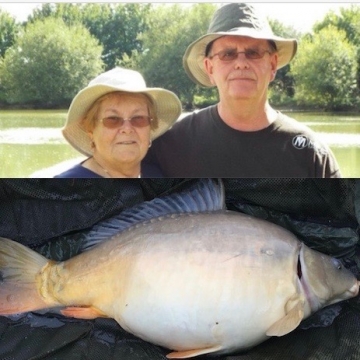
[50,215]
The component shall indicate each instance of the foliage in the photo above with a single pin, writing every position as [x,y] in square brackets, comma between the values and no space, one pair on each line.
[202,101]
[8,31]
[115,25]
[348,21]
[49,63]
[70,13]
[325,70]
[49,67]
[173,28]
[282,89]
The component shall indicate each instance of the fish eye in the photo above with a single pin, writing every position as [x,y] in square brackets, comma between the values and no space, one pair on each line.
[338,264]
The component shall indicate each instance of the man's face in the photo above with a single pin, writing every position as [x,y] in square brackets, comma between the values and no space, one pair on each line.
[246,76]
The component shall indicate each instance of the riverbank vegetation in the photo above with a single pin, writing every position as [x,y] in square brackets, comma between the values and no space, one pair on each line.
[47,59]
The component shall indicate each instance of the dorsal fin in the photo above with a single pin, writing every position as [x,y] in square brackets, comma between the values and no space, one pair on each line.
[204,196]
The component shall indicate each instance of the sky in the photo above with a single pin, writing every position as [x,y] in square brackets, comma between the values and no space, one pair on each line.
[300,15]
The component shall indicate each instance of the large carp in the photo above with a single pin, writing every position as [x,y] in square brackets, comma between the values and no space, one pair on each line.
[184,273]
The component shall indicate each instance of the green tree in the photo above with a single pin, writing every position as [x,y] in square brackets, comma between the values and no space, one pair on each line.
[70,13]
[325,70]
[49,63]
[115,25]
[349,21]
[171,29]
[8,31]
[282,89]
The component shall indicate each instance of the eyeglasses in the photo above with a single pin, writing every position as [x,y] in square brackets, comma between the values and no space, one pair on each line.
[113,122]
[232,54]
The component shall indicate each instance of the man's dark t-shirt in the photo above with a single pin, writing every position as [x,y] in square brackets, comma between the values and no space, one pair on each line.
[202,145]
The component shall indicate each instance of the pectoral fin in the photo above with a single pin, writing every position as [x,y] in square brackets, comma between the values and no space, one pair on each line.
[82,312]
[289,322]
[191,353]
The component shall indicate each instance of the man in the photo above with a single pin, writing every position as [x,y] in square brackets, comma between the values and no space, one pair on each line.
[241,136]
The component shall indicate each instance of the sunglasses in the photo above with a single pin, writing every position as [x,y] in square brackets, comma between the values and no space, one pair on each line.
[232,54]
[114,122]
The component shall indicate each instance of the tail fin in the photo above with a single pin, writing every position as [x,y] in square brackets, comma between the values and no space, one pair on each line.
[19,267]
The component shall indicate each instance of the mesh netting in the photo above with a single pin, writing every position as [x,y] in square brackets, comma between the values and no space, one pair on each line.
[50,215]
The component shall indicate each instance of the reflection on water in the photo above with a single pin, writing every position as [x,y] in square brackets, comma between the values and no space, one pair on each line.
[28,136]
[31,143]
[341,140]
[31,135]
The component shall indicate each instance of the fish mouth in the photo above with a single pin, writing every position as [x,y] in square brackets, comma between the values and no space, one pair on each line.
[354,290]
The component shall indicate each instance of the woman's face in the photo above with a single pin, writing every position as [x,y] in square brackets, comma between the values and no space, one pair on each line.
[125,145]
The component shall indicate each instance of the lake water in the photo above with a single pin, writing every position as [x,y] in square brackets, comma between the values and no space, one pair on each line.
[31,143]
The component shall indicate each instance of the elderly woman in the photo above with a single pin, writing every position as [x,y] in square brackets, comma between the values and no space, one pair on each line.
[113,122]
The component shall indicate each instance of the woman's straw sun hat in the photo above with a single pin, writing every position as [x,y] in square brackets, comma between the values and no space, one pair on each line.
[167,105]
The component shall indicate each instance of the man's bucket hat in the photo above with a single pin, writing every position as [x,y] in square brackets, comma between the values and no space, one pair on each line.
[167,105]
[237,19]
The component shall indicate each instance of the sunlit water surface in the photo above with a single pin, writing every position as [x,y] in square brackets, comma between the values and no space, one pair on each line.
[31,143]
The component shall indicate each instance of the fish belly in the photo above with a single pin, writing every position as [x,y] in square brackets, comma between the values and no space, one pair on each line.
[194,281]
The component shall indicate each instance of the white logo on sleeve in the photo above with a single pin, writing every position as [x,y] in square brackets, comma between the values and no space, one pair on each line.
[300,142]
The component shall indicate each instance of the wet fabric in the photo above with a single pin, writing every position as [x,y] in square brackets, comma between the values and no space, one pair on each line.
[52,215]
